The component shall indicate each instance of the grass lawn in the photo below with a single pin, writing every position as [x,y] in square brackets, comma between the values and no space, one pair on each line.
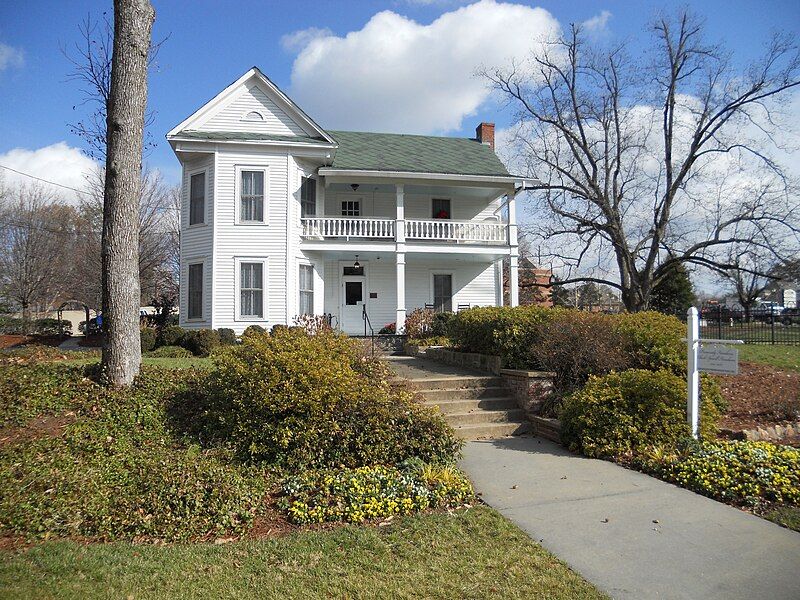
[472,554]
[778,356]
[788,516]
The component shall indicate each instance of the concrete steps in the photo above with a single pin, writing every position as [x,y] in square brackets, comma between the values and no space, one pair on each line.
[475,406]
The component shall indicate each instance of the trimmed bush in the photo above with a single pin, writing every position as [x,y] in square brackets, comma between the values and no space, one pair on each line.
[147,337]
[316,401]
[201,342]
[169,352]
[622,414]
[500,331]
[253,330]
[357,495]
[652,340]
[171,336]
[227,337]
[737,472]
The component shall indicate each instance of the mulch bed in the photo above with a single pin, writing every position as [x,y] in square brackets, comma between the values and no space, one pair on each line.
[17,341]
[759,395]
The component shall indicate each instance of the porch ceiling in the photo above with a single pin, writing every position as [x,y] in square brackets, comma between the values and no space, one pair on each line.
[445,191]
[411,257]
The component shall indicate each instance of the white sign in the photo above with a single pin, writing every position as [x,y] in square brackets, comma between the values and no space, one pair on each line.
[719,359]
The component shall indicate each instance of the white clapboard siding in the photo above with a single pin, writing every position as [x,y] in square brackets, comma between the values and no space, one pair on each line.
[197,242]
[266,241]
[232,116]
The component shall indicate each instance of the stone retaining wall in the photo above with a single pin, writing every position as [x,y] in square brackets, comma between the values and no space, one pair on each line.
[770,433]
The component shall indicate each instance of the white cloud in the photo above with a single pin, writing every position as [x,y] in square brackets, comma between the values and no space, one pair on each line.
[598,24]
[297,40]
[395,74]
[10,57]
[59,163]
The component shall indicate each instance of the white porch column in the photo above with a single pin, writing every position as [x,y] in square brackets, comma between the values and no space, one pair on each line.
[513,278]
[400,254]
[512,219]
[400,319]
[498,278]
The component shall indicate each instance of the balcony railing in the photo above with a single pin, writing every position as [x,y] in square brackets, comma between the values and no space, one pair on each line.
[436,230]
[347,227]
[457,231]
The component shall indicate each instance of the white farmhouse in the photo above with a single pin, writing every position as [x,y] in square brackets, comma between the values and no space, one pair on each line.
[281,218]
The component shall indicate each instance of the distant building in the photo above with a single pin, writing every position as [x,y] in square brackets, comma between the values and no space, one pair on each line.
[534,283]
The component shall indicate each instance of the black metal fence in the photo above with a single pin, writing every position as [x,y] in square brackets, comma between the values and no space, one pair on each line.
[760,325]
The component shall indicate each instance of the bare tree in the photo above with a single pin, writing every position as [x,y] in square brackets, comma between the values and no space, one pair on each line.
[36,235]
[646,167]
[133,22]
[751,275]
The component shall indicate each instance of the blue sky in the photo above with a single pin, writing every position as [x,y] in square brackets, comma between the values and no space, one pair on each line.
[211,43]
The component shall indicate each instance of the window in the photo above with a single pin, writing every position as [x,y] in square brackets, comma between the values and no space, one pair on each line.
[353,292]
[306,290]
[251,194]
[195,296]
[251,289]
[308,197]
[353,271]
[442,292]
[351,208]
[197,198]
[440,208]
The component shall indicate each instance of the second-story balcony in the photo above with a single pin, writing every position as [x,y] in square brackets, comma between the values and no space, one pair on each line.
[419,230]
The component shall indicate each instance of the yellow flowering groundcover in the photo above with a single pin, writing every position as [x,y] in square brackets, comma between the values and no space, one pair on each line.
[370,492]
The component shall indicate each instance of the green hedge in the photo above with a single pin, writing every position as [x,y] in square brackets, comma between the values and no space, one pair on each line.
[622,414]
[316,401]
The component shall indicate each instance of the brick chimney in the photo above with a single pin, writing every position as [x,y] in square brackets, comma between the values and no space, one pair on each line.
[485,134]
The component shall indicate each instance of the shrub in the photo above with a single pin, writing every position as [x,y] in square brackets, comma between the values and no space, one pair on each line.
[356,495]
[737,472]
[388,329]
[440,326]
[312,323]
[652,341]
[419,322]
[574,345]
[303,400]
[51,327]
[429,341]
[227,337]
[147,337]
[171,336]
[501,331]
[201,342]
[116,471]
[253,330]
[169,352]
[621,414]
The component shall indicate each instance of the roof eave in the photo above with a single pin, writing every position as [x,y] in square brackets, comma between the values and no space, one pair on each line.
[370,173]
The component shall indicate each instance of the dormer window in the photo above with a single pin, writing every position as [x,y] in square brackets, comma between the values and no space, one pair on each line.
[254,115]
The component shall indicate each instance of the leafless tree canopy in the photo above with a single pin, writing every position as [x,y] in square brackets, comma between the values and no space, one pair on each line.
[646,166]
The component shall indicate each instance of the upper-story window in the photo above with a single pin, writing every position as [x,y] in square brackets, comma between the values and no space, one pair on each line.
[251,196]
[197,198]
[440,208]
[351,208]
[308,197]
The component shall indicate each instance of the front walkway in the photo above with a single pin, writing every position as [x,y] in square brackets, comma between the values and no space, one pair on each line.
[631,535]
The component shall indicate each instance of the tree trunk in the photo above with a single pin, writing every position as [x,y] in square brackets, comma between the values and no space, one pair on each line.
[122,357]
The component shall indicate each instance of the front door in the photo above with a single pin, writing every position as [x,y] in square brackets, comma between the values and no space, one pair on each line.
[353,297]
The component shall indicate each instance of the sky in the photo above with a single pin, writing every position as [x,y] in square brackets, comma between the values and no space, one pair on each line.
[405,66]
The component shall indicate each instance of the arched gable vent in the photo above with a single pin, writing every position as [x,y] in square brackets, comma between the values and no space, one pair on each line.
[253,115]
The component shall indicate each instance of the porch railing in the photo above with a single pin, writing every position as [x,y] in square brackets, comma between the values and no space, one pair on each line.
[457,231]
[442,230]
[347,227]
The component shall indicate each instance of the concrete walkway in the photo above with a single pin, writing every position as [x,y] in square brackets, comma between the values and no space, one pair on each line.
[631,535]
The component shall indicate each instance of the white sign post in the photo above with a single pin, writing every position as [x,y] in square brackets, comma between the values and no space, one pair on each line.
[715,357]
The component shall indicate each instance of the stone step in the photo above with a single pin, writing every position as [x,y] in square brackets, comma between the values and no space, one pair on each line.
[443,395]
[494,430]
[467,405]
[478,417]
[453,382]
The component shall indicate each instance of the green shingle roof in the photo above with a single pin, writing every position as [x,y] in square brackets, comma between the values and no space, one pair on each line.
[414,153]
[246,136]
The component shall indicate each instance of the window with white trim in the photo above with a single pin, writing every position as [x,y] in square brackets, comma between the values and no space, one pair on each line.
[440,208]
[308,197]
[442,292]
[351,208]
[251,289]
[306,290]
[197,198]
[251,196]
[194,300]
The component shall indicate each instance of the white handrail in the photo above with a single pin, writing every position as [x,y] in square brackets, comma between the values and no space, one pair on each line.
[460,231]
[347,227]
